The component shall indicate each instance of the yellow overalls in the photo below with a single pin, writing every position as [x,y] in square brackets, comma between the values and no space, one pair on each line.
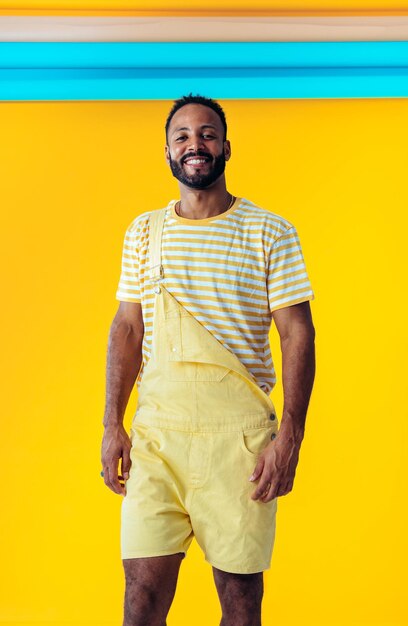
[200,423]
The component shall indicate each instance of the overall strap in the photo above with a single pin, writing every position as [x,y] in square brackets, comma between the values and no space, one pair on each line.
[156,222]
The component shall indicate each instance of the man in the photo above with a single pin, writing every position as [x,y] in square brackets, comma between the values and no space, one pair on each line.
[229,268]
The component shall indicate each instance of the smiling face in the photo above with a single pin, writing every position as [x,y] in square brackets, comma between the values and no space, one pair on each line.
[196,150]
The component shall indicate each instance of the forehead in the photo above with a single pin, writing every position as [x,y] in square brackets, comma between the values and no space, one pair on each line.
[194,115]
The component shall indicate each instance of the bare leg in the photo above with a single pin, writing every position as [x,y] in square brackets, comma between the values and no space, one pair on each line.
[240,597]
[150,588]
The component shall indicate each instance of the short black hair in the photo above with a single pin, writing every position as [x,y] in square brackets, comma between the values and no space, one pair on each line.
[197,99]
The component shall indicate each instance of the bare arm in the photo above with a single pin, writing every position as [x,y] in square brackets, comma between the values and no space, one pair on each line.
[277,464]
[297,334]
[123,364]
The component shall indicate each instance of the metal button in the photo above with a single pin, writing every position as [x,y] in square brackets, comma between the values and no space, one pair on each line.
[156,289]
[174,349]
[273,435]
[272,416]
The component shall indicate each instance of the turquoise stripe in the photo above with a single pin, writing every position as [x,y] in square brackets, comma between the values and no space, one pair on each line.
[95,55]
[165,71]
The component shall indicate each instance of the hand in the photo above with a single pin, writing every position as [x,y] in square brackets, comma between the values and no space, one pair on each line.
[275,469]
[116,444]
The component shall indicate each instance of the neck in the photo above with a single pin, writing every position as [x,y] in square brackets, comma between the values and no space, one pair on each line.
[199,204]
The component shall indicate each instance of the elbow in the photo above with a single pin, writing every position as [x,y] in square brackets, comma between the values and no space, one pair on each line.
[128,330]
[303,333]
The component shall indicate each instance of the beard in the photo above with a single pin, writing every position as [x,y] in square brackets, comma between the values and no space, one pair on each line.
[197,180]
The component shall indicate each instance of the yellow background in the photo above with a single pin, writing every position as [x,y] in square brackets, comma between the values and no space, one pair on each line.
[74,175]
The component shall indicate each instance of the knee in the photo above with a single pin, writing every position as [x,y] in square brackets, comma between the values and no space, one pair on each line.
[150,587]
[239,585]
[142,605]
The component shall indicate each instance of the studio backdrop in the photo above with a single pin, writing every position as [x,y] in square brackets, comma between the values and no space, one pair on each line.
[317,111]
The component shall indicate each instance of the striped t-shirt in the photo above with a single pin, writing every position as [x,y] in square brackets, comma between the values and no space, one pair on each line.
[230,271]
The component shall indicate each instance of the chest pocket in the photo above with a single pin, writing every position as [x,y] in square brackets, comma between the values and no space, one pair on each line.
[189,355]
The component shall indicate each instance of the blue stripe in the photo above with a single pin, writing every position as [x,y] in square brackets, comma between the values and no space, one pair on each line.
[162,71]
[132,55]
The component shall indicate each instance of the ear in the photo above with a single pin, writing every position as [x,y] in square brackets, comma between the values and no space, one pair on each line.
[167,153]
[227,149]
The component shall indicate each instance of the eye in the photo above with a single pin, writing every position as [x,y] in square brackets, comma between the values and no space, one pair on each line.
[180,138]
[208,136]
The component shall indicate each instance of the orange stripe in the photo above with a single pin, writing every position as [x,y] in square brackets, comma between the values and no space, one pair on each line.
[397,9]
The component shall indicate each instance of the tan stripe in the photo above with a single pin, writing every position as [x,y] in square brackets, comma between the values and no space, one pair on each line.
[292,27]
[289,274]
[214,272]
[226,229]
[198,265]
[128,300]
[278,290]
[284,257]
[210,299]
[297,301]
[200,280]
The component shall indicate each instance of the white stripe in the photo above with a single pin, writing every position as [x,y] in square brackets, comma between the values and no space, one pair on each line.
[288,300]
[290,288]
[289,279]
[210,283]
[195,264]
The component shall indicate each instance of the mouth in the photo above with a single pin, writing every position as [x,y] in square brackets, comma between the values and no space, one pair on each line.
[196,162]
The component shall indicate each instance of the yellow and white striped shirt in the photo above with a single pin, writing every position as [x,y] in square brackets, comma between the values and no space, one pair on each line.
[229,271]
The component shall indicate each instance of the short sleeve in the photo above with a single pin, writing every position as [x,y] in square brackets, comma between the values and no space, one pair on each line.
[287,280]
[129,288]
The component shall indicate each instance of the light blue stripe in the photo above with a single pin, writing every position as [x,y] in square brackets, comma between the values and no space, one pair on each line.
[274,284]
[210,283]
[197,266]
[288,299]
[247,313]
[200,285]
[281,255]
[299,268]
[235,226]
[163,71]
[215,240]
[204,319]
[290,288]
[128,55]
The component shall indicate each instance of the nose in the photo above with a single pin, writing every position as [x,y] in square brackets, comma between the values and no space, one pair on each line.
[195,143]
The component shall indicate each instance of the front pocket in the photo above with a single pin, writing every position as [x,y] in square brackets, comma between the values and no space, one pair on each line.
[254,440]
[186,349]
[185,371]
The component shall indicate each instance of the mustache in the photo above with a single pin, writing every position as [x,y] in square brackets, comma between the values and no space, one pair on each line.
[199,153]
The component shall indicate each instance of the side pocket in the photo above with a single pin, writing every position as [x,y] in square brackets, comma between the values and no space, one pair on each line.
[254,440]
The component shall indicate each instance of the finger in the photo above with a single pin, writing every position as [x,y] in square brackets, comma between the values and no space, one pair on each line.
[126,463]
[288,487]
[264,485]
[119,477]
[258,470]
[113,481]
[275,491]
[269,494]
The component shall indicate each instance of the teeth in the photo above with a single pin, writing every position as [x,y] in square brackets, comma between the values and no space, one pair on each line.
[195,161]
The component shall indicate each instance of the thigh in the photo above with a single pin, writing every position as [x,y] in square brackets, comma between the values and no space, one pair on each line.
[240,596]
[150,587]
[156,572]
